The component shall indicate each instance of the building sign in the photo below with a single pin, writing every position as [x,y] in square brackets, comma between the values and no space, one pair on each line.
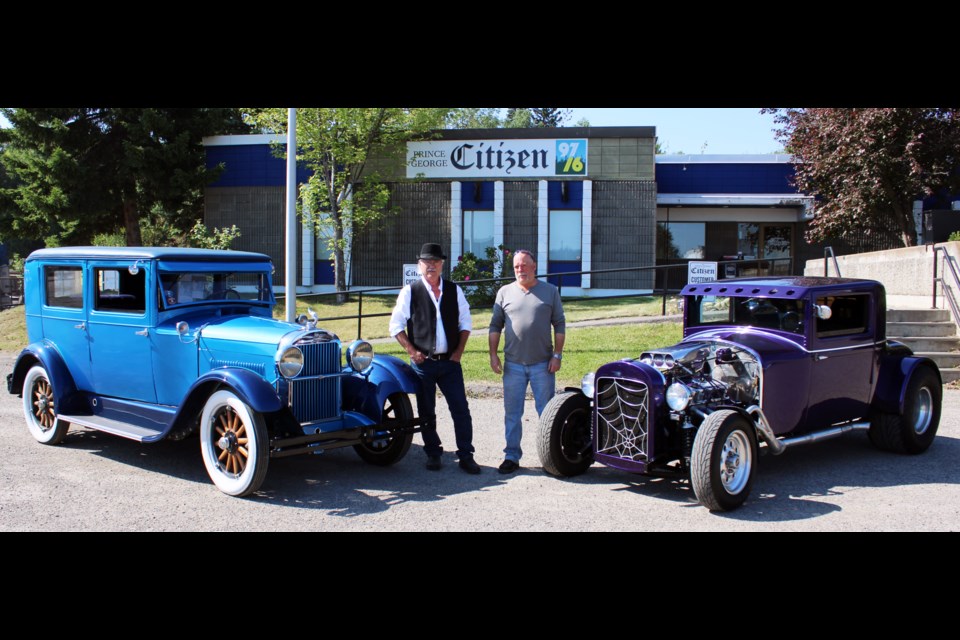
[698,272]
[410,274]
[496,158]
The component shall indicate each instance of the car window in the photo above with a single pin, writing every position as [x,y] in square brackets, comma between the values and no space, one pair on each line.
[190,287]
[63,286]
[848,315]
[119,290]
[768,313]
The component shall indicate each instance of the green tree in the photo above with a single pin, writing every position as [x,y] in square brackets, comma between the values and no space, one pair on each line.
[80,172]
[866,165]
[336,145]
[483,118]
[537,117]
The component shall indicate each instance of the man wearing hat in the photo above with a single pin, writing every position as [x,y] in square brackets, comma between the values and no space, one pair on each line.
[431,321]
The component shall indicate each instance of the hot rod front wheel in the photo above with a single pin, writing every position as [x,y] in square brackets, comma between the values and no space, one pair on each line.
[233,441]
[723,461]
[390,448]
[42,420]
[564,441]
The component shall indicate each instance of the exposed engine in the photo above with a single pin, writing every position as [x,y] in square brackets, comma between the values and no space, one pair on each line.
[705,374]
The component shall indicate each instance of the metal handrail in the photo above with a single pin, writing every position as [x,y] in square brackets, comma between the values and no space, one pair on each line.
[947,293]
[664,291]
[826,266]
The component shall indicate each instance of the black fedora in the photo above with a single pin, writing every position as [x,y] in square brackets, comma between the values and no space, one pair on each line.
[431,251]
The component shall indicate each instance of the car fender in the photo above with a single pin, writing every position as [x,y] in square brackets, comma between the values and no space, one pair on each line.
[894,378]
[46,354]
[250,387]
[368,393]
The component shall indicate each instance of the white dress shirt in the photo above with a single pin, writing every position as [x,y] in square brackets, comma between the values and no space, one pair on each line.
[401,314]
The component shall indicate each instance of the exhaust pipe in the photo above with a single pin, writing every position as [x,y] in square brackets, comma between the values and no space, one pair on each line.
[778,446]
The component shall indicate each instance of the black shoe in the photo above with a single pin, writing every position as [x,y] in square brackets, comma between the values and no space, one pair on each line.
[509,466]
[469,465]
[434,463]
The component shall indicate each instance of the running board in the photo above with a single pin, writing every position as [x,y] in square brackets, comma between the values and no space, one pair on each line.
[116,427]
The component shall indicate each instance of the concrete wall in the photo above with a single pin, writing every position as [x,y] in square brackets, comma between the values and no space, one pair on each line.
[907,274]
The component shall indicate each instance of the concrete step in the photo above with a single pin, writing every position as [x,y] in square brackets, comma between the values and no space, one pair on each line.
[937,344]
[918,315]
[944,360]
[921,329]
[949,374]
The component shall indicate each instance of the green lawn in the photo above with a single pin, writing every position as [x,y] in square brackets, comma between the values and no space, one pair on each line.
[586,349]
[579,309]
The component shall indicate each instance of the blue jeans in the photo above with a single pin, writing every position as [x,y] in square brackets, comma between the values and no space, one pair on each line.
[447,375]
[515,379]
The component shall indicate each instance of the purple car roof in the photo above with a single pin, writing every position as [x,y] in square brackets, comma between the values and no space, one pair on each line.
[786,287]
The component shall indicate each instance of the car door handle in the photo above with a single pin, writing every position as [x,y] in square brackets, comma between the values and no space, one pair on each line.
[822,357]
[82,325]
[144,332]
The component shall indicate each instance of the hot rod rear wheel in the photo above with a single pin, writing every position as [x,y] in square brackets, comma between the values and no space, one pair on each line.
[233,442]
[913,430]
[38,408]
[723,461]
[389,449]
[564,441]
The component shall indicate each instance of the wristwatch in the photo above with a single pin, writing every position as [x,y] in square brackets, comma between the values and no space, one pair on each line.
[558,356]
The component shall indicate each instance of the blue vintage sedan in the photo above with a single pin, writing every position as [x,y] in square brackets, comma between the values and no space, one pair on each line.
[153,343]
[776,362]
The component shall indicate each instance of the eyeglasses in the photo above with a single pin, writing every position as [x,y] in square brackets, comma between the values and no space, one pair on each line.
[430,261]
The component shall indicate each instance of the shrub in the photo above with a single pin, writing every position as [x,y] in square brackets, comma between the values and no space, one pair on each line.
[471,268]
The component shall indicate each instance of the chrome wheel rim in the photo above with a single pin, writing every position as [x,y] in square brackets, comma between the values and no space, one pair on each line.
[923,411]
[736,460]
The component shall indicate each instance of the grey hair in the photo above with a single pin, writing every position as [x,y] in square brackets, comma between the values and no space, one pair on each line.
[526,252]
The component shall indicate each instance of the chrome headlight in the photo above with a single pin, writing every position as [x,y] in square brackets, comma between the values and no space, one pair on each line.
[360,355]
[678,396]
[290,362]
[586,385]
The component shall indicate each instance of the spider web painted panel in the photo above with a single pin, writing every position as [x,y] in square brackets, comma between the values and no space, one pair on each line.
[622,418]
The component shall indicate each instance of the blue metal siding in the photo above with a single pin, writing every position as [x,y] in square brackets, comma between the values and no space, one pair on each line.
[574,195]
[250,165]
[468,200]
[725,178]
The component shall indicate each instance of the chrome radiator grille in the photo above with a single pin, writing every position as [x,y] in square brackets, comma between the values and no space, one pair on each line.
[317,398]
[622,409]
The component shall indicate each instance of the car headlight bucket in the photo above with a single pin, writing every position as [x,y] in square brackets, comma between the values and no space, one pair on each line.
[360,355]
[586,385]
[290,362]
[678,396]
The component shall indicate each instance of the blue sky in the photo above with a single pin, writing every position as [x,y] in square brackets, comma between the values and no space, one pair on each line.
[733,131]
[688,130]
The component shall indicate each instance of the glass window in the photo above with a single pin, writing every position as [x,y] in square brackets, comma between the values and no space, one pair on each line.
[769,313]
[185,288]
[681,240]
[119,290]
[564,235]
[64,287]
[477,232]
[848,315]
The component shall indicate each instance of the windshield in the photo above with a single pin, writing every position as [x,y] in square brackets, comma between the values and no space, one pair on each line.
[768,313]
[178,289]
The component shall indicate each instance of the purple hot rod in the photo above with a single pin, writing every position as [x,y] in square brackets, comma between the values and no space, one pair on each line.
[775,362]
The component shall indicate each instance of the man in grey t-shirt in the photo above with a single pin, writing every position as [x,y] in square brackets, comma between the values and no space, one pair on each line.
[525,309]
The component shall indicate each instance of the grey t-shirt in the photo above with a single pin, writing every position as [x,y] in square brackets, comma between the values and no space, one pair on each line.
[525,318]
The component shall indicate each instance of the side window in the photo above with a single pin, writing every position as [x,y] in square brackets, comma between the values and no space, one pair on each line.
[849,315]
[63,287]
[119,290]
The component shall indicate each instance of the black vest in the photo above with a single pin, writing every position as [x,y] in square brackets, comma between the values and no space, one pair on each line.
[422,325]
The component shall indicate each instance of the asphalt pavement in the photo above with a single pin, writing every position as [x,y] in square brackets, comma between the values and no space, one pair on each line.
[98,482]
